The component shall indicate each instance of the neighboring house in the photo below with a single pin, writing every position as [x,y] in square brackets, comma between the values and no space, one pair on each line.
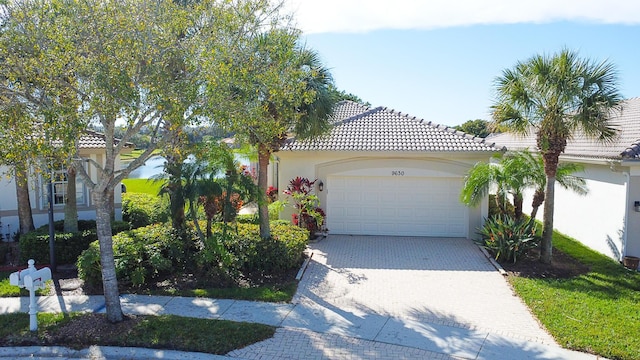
[608,218]
[386,173]
[91,146]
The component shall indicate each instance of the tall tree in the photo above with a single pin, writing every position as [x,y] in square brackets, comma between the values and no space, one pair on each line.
[281,87]
[127,62]
[71,201]
[554,96]
[478,127]
[25,215]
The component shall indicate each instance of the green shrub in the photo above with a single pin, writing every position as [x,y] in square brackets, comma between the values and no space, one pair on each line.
[58,226]
[67,246]
[248,219]
[250,253]
[141,209]
[215,260]
[507,239]
[140,255]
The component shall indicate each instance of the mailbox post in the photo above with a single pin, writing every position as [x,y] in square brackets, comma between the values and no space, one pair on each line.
[31,279]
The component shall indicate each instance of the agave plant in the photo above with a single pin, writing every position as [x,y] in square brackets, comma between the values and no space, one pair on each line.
[508,238]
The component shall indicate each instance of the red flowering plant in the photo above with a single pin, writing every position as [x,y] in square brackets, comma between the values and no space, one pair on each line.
[310,215]
[272,194]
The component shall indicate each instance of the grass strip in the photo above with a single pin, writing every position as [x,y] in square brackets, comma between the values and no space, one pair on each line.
[282,293]
[169,332]
[597,312]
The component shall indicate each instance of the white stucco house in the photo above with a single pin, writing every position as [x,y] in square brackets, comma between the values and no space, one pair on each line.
[608,218]
[90,146]
[381,172]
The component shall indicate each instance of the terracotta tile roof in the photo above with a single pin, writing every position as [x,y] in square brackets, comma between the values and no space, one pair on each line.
[95,140]
[359,128]
[626,145]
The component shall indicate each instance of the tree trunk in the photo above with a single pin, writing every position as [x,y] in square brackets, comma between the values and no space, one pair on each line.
[538,199]
[71,203]
[550,168]
[174,188]
[546,245]
[517,206]
[263,209]
[109,280]
[25,216]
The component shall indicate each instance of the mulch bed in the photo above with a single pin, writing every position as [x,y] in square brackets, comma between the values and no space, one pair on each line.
[562,266]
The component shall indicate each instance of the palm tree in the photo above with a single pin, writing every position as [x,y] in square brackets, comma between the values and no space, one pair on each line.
[511,176]
[516,172]
[555,96]
[564,177]
[311,121]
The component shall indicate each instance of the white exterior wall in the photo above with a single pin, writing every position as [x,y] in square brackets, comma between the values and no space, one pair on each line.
[9,223]
[319,165]
[596,219]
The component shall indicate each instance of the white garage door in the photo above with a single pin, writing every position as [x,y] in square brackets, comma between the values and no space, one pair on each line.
[404,206]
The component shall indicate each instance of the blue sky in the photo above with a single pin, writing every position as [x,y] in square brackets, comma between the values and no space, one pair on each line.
[441,66]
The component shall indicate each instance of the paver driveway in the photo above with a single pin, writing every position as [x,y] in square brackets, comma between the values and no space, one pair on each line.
[414,280]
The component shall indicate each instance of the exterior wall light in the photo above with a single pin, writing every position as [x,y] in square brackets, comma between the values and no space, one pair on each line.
[636,206]
[321,187]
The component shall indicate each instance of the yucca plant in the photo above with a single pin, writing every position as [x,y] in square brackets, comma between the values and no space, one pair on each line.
[508,238]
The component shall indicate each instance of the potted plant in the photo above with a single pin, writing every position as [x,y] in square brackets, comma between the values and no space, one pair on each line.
[631,262]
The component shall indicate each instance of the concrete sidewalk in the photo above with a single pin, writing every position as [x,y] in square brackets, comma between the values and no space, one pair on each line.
[362,336]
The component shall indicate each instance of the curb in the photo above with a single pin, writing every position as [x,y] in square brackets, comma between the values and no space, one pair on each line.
[493,261]
[102,352]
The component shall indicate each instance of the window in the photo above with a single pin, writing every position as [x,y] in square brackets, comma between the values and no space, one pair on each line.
[59,182]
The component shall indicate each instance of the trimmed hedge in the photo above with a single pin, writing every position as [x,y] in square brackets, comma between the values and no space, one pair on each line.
[68,246]
[141,209]
[250,253]
[149,252]
[140,255]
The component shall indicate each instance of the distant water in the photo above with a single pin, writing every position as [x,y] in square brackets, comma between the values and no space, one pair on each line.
[153,166]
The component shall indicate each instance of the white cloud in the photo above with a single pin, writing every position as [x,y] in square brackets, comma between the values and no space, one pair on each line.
[341,16]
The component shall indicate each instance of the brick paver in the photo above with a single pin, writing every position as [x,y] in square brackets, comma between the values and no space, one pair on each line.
[375,297]
[289,343]
[436,280]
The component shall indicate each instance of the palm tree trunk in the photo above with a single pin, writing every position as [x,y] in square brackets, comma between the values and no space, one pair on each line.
[109,280]
[71,203]
[263,209]
[25,216]
[546,245]
[538,199]
[517,206]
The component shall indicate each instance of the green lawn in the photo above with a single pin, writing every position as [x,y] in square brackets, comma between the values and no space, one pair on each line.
[260,293]
[143,186]
[598,312]
[160,332]
[136,154]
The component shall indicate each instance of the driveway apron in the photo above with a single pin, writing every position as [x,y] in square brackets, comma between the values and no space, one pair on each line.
[366,286]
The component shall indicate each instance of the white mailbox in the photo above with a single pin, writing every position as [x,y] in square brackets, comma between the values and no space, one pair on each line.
[17,278]
[37,279]
[31,279]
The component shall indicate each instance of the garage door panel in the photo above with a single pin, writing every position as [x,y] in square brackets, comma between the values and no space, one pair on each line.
[418,206]
[371,212]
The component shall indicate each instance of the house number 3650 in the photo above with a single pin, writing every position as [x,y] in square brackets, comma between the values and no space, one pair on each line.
[397,173]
